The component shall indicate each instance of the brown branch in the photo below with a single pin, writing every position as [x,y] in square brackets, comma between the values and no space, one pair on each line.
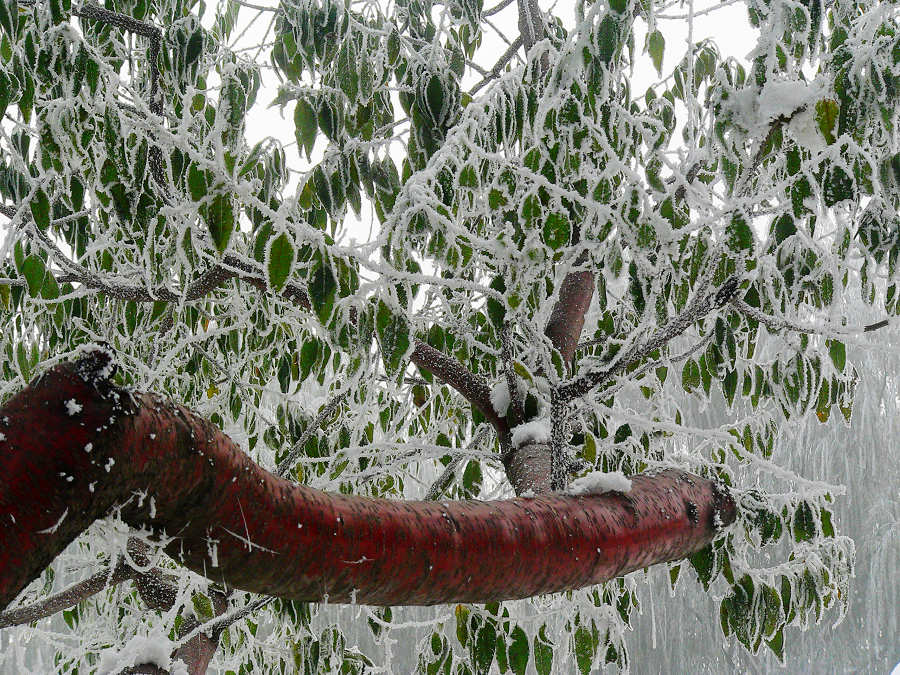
[75,447]
[567,317]
[69,597]
[473,388]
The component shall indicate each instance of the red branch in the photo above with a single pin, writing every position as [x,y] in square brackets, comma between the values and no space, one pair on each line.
[567,318]
[75,447]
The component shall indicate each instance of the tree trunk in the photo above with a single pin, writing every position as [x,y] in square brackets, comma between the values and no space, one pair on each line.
[74,446]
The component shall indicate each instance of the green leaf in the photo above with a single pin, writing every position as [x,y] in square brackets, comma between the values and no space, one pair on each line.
[197,183]
[281,259]
[607,39]
[40,209]
[543,653]
[557,231]
[322,288]
[462,621]
[584,649]
[220,220]
[485,644]
[804,524]
[656,45]
[9,14]
[740,236]
[434,98]
[393,334]
[827,113]
[306,125]
[838,352]
[518,651]
[690,375]
[34,271]
[194,47]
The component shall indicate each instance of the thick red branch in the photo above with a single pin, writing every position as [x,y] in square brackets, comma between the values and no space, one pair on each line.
[74,447]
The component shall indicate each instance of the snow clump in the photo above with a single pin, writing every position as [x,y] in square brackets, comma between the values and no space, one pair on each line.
[140,649]
[598,482]
[535,431]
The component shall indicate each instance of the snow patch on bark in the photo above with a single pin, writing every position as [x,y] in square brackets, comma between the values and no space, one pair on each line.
[535,431]
[598,482]
[155,648]
[500,398]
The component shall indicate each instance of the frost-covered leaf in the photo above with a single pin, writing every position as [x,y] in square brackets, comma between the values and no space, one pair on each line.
[280,260]
[656,45]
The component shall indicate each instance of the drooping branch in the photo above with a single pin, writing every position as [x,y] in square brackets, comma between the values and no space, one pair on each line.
[75,447]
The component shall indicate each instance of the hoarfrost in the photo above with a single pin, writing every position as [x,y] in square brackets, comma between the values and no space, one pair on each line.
[73,407]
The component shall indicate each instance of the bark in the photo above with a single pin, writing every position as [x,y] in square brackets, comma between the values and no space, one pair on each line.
[75,447]
[473,388]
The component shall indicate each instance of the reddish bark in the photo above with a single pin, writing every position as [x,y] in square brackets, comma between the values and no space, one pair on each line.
[169,470]
[567,318]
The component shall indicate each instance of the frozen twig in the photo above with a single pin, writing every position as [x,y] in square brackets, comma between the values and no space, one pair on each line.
[778,324]
[699,307]
[294,453]
[443,481]
[510,374]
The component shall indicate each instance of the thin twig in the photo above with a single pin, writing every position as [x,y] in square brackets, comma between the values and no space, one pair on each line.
[699,307]
[294,453]
[443,481]
[494,72]
[777,324]
[499,7]
[511,383]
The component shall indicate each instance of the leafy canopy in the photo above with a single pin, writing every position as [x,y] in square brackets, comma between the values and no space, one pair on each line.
[231,275]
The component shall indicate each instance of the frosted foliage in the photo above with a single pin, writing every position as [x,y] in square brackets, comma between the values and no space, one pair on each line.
[278,288]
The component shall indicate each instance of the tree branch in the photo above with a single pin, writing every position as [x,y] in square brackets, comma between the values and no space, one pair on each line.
[473,387]
[699,307]
[75,447]
[69,597]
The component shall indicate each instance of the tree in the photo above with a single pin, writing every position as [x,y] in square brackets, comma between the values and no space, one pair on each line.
[560,262]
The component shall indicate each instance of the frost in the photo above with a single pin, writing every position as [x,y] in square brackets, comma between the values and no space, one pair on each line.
[2,436]
[154,648]
[781,100]
[73,407]
[88,447]
[500,398]
[598,482]
[535,431]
